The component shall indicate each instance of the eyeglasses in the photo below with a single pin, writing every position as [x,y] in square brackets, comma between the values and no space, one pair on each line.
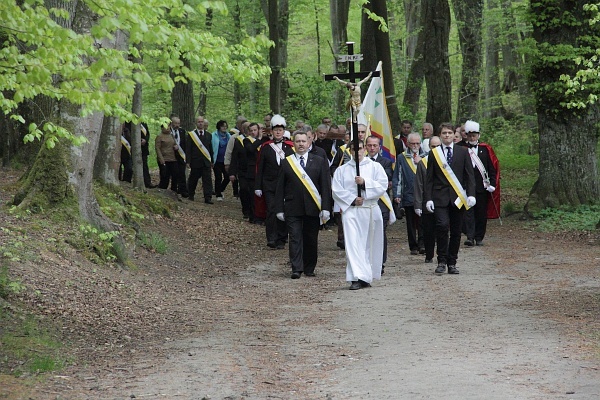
[412,144]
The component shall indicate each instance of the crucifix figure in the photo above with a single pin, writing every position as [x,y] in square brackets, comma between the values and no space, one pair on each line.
[355,100]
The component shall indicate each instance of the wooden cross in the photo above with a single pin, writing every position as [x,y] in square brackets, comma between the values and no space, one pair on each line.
[350,78]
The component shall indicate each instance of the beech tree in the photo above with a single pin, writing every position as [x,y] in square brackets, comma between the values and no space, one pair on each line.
[565,51]
[63,55]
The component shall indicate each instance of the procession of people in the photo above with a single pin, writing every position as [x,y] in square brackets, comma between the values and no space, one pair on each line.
[294,184]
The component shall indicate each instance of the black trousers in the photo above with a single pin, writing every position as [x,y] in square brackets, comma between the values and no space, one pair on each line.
[304,241]
[147,179]
[181,180]
[448,219]
[169,172]
[221,178]
[385,213]
[476,218]
[412,228]
[246,193]
[276,229]
[196,174]
[428,226]
[126,169]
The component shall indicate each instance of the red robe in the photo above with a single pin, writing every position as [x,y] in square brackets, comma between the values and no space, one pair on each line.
[493,209]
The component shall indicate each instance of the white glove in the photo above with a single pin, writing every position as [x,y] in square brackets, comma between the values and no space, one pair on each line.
[258,193]
[280,216]
[490,189]
[324,215]
[471,201]
[429,206]
[418,212]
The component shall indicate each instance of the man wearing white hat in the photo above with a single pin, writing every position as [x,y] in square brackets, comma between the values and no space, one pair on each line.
[485,165]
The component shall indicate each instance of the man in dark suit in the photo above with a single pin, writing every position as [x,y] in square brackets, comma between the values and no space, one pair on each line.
[482,157]
[449,189]
[303,201]
[179,135]
[199,154]
[145,140]
[373,145]
[272,155]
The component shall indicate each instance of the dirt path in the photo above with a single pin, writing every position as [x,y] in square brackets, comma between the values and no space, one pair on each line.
[518,322]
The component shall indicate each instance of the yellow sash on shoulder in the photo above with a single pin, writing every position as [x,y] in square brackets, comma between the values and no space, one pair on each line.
[411,164]
[305,179]
[461,200]
[200,145]
[126,144]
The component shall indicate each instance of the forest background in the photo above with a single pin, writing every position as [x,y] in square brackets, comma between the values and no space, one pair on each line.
[73,71]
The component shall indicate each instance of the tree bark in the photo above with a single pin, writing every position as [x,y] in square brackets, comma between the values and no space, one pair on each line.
[568,168]
[202,100]
[492,91]
[182,101]
[412,12]
[277,19]
[416,75]
[136,136]
[468,14]
[436,63]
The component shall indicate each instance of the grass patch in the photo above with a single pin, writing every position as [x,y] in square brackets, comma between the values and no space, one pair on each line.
[568,218]
[518,173]
[153,242]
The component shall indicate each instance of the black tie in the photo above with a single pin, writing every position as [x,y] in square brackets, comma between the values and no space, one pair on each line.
[373,158]
[449,155]
[302,161]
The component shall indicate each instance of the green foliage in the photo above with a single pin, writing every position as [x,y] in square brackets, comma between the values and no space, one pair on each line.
[567,218]
[87,70]
[8,286]
[99,243]
[518,174]
[154,242]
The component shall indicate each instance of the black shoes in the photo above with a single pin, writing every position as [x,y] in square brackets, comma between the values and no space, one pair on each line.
[280,247]
[296,275]
[428,260]
[414,252]
[452,270]
[310,274]
[469,242]
[421,250]
[207,201]
[364,284]
[441,268]
[382,269]
[355,285]
[340,244]
[479,243]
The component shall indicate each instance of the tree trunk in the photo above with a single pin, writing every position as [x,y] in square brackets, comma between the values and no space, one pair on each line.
[568,169]
[338,11]
[382,44]
[416,75]
[202,100]
[492,92]
[65,172]
[468,14]
[136,136]
[318,37]
[436,63]
[412,12]
[277,15]
[182,100]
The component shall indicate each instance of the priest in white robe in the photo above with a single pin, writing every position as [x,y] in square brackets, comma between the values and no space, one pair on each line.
[361,216]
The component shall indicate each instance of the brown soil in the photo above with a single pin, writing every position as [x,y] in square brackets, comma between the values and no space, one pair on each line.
[218,316]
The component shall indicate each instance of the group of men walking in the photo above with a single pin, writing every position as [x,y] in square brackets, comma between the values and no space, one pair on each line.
[296,184]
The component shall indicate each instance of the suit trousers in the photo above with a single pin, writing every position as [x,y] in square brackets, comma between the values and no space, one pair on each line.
[276,229]
[246,192]
[195,175]
[476,218]
[221,178]
[146,171]
[304,241]
[412,228]
[448,218]
[428,226]
[169,172]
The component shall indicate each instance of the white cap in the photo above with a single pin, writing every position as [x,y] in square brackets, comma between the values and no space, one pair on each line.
[286,134]
[471,126]
[277,120]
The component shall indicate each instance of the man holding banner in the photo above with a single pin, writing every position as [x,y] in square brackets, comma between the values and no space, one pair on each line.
[449,191]
[303,201]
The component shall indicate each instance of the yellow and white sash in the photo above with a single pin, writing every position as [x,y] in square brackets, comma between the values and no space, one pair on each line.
[305,179]
[240,138]
[461,200]
[200,145]
[178,140]
[126,144]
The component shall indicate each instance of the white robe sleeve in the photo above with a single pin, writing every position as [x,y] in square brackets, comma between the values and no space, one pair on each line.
[343,187]
[376,180]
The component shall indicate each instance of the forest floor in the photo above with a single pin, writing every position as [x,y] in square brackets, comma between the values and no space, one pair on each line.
[218,317]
